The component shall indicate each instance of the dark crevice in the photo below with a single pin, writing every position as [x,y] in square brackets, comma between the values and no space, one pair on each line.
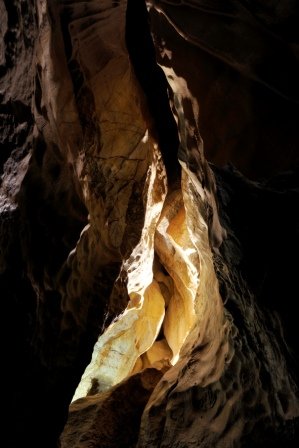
[20,111]
[16,126]
[153,82]
[10,37]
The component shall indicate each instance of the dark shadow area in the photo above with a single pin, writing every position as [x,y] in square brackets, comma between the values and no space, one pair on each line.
[153,82]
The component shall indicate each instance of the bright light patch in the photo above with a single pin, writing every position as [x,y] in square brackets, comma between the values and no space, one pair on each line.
[171,284]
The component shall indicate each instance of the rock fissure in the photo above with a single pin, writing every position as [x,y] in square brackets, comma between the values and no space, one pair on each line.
[149,223]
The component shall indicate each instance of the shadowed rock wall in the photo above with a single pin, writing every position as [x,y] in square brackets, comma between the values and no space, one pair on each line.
[114,222]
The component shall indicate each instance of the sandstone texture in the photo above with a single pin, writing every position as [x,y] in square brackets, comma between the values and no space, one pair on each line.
[149,216]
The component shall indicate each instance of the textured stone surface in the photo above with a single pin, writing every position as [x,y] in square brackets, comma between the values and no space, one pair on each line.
[110,419]
[120,243]
[73,207]
[244,83]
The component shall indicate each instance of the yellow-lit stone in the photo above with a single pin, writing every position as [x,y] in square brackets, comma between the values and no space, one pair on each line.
[172,287]
[178,255]
[159,354]
[116,352]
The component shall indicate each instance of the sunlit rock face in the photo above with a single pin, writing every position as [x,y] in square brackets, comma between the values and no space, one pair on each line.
[152,288]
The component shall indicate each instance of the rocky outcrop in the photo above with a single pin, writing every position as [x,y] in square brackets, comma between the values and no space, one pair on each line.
[131,253]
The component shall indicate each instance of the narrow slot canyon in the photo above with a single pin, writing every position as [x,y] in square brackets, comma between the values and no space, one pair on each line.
[172,289]
[149,199]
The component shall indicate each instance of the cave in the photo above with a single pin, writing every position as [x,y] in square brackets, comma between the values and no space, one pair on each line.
[149,223]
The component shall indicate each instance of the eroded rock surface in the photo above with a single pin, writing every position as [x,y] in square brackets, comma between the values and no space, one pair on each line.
[126,257]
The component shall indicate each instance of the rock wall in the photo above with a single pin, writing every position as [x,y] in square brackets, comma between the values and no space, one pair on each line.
[149,222]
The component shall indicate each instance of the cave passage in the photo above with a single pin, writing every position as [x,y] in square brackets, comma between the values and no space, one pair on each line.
[154,84]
